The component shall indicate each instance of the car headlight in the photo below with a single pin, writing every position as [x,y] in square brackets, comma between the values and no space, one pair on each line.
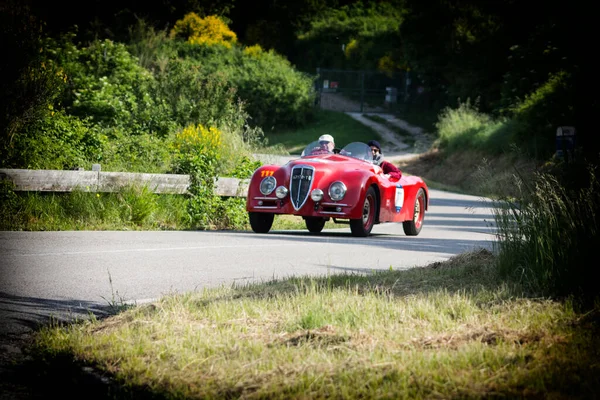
[337,191]
[268,185]
[316,195]
[281,192]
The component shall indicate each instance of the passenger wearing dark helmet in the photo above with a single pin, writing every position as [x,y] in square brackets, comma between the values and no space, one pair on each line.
[388,168]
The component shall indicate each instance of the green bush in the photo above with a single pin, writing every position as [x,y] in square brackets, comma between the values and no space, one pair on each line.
[359,36]
[540,113]
[145,153]
[276,95]
[32,83]
[57,141]
[107,85]
[195,94]
[108,109]
[465,127]
[273,92]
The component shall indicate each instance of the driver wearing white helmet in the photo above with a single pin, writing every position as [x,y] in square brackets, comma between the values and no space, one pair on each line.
[326,141]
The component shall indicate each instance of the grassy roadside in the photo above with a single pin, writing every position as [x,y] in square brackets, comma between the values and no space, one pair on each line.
[449,330]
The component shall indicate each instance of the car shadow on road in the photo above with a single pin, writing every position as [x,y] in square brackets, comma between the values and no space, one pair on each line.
[380,240]
[23,314]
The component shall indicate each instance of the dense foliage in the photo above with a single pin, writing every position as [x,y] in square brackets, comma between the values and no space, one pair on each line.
[354,37]
[502,54]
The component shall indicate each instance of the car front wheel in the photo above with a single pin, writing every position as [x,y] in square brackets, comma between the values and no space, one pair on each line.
[261,222]
[314,224]
[362,227]
[413,227]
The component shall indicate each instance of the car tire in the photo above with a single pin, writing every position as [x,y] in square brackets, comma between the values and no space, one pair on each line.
[314,224]
[414,226]
[261,222]
[362,227]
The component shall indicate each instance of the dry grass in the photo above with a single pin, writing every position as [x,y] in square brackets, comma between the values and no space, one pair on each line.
[471,171]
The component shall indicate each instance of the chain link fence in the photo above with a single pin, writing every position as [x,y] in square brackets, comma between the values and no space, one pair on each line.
[360,91]
[370,91]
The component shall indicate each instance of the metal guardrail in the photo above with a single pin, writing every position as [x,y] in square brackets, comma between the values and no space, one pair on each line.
[98,181]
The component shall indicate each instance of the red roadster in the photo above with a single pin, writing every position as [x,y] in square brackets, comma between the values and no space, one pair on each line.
[345,187]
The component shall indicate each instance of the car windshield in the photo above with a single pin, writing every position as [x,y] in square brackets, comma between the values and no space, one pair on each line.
[316,148]
[357,150]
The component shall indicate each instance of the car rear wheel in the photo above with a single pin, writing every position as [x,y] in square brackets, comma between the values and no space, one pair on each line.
[261,222]
[413,227]
[362,227]
[314,224]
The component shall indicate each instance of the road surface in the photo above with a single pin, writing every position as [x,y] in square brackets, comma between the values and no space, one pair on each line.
[67,275]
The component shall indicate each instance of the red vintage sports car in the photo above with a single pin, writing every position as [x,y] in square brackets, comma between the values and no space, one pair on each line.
[344,186]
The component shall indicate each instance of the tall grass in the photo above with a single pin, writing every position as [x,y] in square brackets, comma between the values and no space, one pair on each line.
[130,208]
[467,128]
[549,237]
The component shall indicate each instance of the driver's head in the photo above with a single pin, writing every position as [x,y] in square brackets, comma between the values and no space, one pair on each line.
[327,140]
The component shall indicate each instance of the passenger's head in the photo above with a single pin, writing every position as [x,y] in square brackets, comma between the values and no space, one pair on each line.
[327,140]
[376,150]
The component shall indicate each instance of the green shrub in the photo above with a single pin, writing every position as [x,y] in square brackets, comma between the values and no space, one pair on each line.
[195,94]
[542,111]
[245,168]
[276,95]
[273,92]
[108,86]
[56,141]
[197,154]
[463,127]
[29,82]
[355,36]
[144,153]
[148,45]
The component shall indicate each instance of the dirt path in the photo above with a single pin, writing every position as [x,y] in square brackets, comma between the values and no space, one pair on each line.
[395,146]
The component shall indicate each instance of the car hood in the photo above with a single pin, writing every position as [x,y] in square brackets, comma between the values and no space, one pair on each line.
[334,162]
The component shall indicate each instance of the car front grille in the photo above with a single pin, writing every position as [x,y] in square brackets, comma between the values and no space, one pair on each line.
[300,184]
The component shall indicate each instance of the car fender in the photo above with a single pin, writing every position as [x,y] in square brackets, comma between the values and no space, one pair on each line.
[357,183]
[259,174]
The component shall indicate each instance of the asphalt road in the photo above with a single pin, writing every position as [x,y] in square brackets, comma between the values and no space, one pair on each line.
[67,275]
